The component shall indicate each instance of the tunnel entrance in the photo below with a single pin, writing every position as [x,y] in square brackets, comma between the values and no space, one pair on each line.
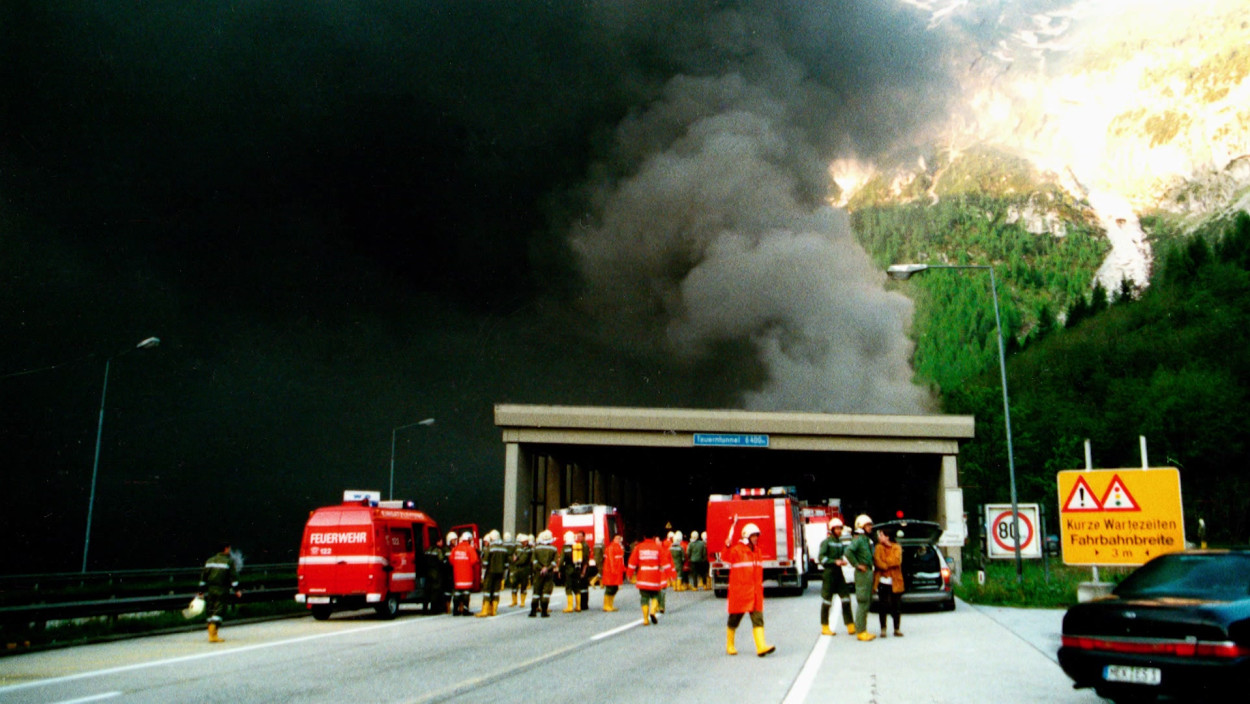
[661,464]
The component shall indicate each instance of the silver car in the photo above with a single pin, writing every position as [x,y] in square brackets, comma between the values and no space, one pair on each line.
[926,572]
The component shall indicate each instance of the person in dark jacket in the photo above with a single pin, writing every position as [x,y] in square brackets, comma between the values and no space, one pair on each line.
[218,579]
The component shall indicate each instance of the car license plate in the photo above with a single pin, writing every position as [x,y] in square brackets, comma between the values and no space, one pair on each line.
[1135,675]
[318,599]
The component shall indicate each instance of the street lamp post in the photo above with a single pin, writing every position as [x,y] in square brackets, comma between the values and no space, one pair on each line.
[390,492]
[904,271]
[99,434]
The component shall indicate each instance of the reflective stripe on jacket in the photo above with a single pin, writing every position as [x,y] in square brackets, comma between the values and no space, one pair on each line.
[746,579]
[464,565]
[652,564]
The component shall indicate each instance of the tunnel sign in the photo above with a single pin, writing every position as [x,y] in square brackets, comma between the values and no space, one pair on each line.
[1001,542]
[729,440]
[1120,516]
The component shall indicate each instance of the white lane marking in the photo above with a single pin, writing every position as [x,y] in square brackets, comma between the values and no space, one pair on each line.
[473,683]
[618,629]
[198,656]
[803,683]
[92,698]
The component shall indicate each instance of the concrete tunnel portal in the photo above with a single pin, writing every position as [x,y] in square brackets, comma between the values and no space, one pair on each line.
[658,464]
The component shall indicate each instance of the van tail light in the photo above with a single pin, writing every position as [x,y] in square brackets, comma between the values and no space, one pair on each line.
[946,577]
[1155,646]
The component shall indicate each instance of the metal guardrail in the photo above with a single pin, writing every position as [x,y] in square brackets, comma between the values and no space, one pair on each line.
[38,614]
[34,599]
[67,580]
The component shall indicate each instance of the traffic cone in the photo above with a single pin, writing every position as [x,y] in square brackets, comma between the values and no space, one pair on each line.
[761,648]
[212,634]
[729,641]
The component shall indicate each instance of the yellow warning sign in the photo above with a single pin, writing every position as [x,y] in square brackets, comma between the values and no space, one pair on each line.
[1119,516]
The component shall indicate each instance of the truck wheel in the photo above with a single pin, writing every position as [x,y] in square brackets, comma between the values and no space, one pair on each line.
[389,608]
[321,612]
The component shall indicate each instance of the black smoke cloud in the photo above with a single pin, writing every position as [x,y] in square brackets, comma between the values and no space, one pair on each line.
[341,217]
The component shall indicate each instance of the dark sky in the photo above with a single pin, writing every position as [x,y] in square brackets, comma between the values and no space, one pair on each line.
[342,217]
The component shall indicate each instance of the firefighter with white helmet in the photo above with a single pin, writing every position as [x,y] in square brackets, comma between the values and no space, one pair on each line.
[746,586]
[833,586]
[859,555]
[465,566]
[495,563]
[697,551]
[546,562]
[520,572]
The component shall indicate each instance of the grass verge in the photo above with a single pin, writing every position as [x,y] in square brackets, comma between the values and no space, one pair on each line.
[1037,589]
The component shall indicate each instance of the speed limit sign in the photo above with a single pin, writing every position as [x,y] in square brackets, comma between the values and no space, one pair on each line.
[1000,539]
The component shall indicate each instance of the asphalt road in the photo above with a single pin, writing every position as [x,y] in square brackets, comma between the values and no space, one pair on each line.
[969,655]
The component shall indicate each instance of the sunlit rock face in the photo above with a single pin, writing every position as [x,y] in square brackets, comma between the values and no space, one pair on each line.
[1129,105]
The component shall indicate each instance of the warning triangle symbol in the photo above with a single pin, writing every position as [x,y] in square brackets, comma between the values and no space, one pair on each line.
[1082,498]
[1117,497]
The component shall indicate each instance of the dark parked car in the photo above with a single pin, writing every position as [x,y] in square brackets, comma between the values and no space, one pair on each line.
[1178,626]
[926,574]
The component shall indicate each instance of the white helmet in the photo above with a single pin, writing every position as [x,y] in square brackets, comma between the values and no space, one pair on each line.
[862,520]
[466,536]
[523,537]
[568,536]
[705,535]
[677,536]
[749,530]
[451,537]
[507,536]
[493,536]
[835,525]
[545,537]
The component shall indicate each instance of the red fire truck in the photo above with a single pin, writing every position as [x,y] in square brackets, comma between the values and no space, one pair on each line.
[600,523]
[364,552]
[776,512]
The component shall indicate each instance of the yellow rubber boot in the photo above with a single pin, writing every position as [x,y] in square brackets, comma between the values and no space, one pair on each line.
[609,602]
[865,636]
[485,608]
[729,642]
[646,616]
[523,597]
[761,648]
[212,634]
[494,606]
[826,631]
[568,603]
[513,600]
[850,629]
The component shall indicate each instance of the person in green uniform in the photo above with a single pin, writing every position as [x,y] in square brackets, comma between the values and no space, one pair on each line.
[218,578]
[832,582]
[859,555]
[521,571]
[435,557]
[495,564]
[546,560]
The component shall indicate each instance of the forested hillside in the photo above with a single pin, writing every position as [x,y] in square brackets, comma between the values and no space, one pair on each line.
[1171,365]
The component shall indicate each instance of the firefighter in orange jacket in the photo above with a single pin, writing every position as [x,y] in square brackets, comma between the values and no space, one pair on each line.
[746,586]
[652,567]
[465,565]
[613,571]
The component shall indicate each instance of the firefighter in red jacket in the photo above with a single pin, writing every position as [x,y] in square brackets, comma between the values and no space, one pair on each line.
[465,565]
[613,571]
[746,586]
[652,567]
